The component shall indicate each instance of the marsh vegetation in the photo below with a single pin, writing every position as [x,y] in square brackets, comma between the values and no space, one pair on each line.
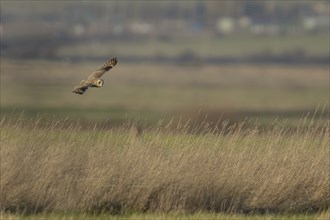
[59,167]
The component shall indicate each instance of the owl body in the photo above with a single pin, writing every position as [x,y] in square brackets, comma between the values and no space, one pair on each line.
[94,79]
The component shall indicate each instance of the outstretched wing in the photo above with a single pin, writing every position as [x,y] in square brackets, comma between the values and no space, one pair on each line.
[83,86]
[104,68]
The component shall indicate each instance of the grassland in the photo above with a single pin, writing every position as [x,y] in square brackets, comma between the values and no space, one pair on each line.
[125,151]
[55,166]
[174,216]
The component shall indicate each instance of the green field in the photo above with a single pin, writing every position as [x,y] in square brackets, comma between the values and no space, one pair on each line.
[204,46]
[152,92]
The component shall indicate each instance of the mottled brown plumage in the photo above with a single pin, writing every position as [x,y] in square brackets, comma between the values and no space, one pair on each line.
[94,80]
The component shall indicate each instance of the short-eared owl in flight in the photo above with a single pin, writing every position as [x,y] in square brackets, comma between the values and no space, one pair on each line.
[94,80]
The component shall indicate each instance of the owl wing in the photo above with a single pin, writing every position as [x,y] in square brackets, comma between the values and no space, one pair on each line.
[83,86]
[104,68]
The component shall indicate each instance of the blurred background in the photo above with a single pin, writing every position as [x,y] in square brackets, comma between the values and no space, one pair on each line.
[177,59]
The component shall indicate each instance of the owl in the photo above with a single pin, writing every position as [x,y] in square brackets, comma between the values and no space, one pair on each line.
[94,80]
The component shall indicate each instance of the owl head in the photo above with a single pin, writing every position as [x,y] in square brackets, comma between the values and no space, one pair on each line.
[97,82]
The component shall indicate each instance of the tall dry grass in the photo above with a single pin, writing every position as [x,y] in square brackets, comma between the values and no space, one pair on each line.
[57,166]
